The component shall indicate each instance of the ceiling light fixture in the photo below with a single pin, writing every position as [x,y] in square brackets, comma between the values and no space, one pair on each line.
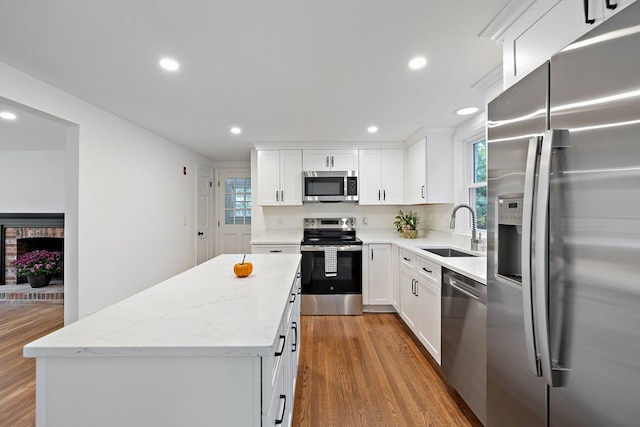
[8,115]
[236,130]
[467,110]
[417,62]
[372,129]
[169,64]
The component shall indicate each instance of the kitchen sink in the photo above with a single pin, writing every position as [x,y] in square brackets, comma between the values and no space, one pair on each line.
[447,252]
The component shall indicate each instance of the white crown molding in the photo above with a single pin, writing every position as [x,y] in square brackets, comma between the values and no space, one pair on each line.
[491,79]
[504,19]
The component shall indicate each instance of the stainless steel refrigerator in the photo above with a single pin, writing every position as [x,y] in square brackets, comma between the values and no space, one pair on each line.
[563,273]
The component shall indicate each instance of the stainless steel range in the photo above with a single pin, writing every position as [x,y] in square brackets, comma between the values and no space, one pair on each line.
[331,267]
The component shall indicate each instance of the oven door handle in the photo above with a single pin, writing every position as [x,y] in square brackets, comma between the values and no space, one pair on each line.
[320,248]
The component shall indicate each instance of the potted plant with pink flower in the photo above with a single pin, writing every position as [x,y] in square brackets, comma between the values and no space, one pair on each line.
[39,266]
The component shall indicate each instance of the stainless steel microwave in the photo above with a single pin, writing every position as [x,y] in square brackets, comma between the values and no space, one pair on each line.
[329,186]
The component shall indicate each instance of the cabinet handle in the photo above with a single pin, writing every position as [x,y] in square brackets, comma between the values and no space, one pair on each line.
[611,5]
[282,196]
[293,298]
[406,259]
[331,161]
[413,282]
[422,191]
[416,294]
[384,194]
[283,398]
[294,346]
[277,196]
[282,341]
[371,254]
[275,251]
[378,195]
[326,161]
[587,18]
[428,271]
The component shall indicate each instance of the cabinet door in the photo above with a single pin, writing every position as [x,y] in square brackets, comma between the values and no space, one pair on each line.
[408,299]
[269,177]
[343,160]
[291,177]
[369,177]
[380,284]
[416,173]
[429,309]
[316,160]
[392,176]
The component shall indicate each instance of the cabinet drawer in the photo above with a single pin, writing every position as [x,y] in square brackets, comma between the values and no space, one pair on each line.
[430,270]
[275,249]
[407,259]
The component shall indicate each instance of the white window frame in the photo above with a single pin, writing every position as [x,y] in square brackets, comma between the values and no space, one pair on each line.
[470,185]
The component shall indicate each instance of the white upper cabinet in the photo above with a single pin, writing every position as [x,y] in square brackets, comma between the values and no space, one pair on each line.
[328,160]
[546,27]
[429,171]
[381,177]
[280,177]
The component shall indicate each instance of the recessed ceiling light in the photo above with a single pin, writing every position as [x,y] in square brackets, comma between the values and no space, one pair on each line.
[372,129]
[467,110]
[169,64]
[236,130]
[8,115]
[417,62]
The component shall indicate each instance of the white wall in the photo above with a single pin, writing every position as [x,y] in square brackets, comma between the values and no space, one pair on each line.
[126,217]
[32,181]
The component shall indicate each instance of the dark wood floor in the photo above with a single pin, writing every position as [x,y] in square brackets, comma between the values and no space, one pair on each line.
[19,325]
[370,371]
[354,371]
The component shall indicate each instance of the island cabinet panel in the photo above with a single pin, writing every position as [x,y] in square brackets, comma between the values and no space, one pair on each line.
[204,348]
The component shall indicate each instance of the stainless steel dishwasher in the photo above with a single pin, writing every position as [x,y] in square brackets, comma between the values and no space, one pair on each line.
[464,337]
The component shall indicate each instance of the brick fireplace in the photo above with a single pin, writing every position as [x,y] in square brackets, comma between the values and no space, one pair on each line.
[21,233]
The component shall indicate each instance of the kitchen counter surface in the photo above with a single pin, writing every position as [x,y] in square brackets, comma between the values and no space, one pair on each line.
[204,311]
[472,267]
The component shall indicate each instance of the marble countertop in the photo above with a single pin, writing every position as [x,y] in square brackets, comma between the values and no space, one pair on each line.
[472,267]
[204,311]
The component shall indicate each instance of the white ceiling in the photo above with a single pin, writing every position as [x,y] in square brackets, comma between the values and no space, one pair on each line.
[302,71]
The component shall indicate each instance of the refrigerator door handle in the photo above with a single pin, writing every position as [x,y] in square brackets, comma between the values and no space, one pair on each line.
[550,373]
[527,234]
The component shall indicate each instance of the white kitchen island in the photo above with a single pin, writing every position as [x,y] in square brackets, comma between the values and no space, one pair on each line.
[203,348]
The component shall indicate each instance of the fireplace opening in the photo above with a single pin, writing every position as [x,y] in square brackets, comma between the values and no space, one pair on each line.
[22,233]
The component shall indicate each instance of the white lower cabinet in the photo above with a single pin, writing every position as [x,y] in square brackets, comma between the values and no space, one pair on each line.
[408,298]
[279,371]
[420,295]
[380,278]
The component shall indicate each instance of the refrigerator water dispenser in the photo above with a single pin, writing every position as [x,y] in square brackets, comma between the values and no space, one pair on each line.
[509,236]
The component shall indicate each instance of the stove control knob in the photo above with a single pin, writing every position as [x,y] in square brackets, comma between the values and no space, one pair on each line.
[341,222]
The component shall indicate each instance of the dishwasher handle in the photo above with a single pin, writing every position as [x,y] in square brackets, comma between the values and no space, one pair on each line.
[456,285]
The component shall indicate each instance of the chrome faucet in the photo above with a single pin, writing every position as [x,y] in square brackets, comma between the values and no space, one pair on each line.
[452,224]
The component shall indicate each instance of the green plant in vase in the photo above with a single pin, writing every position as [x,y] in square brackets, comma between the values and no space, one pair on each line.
[407,224]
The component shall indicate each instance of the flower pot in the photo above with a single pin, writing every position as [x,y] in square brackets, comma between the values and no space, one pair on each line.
[411,234]
[39,280]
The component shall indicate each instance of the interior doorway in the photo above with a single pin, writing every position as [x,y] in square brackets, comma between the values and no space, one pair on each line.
[234,211]
[204,186]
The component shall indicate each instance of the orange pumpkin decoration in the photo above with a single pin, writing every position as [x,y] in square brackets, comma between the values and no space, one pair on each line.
[243,269]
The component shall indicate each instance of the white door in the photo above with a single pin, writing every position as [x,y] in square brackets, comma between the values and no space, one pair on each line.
[204,184]
[234,213]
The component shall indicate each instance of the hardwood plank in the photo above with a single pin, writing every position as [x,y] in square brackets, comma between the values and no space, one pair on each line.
[371,371]
[19,325]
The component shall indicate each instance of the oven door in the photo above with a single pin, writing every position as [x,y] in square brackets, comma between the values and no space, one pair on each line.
[338,292]
[347,278]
